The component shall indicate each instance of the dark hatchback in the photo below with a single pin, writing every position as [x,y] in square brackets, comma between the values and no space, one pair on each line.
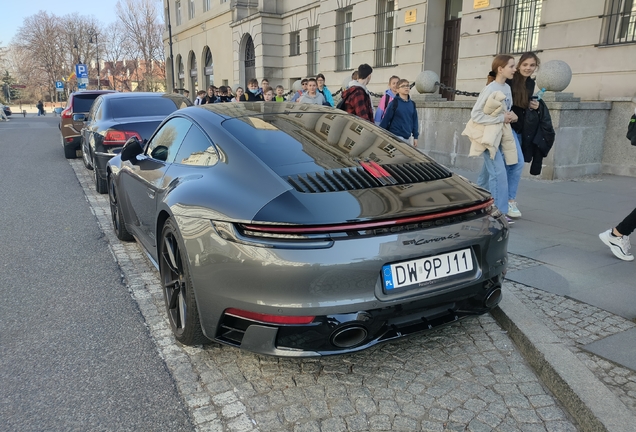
[114,118]
[300,230]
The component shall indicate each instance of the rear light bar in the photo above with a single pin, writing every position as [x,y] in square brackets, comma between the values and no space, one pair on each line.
[67,113]
[118,137]
[365,225]
[266,318]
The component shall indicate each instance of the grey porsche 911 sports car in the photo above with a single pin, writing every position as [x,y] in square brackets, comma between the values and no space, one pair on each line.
[300,230]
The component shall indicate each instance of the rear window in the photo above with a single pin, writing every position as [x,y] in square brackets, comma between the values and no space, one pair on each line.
[83,103]
[141,107]
[303,142]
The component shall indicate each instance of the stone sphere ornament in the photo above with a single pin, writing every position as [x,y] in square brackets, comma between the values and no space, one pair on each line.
[345,82]
[425,82]
[297,86]
[554,75]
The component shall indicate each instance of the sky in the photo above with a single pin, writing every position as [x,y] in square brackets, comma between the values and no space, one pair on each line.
[15,11]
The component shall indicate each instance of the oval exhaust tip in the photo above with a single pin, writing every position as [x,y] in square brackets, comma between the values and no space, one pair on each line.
[349,336]
[493,298]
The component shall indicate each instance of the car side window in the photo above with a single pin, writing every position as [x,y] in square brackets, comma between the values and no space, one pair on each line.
[197,149]
[95,112]
[164,144]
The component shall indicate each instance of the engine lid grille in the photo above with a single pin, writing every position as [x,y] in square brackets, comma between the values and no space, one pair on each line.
[368,175]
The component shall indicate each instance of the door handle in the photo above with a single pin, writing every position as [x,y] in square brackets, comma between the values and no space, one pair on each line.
[151,193]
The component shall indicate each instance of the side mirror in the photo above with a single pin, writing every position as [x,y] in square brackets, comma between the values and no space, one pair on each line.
[79,117]
[132,148]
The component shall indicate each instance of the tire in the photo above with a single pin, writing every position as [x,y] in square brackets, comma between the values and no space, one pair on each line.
[69,153]
[176,283]
[116,215]
[100,184]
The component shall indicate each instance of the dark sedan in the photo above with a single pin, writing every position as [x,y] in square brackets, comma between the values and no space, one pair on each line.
[115,117]
[7,110]
[300,230]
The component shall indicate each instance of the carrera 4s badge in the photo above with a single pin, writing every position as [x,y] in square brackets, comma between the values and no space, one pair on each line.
[431,240]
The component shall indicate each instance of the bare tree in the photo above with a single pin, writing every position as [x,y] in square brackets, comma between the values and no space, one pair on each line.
[144,28]
[40,35]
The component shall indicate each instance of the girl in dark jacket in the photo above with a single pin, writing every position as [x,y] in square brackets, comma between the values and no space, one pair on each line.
[522,87]
[400,117]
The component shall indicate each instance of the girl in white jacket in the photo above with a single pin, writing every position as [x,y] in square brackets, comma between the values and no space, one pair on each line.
[493,175]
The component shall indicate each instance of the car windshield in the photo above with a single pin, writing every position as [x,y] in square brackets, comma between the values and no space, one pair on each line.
[141,107]
[295,142]
[83,103]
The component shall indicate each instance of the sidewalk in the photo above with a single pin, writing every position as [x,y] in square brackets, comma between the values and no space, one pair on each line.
[568,303]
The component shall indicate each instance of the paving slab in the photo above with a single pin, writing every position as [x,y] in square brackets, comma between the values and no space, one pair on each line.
[619,348]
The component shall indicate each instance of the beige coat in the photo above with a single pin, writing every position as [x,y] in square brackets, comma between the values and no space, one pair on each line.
[489,137]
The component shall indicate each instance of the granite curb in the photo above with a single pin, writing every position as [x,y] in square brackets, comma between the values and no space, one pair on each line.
[586,398]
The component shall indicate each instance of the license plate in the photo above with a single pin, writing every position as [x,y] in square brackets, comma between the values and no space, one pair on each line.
[423,270]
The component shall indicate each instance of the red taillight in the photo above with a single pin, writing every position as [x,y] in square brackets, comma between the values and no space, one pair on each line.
[366,225]
[273,319]
[117,137]
[67,113]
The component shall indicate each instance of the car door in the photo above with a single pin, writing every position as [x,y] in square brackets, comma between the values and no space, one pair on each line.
[144,180]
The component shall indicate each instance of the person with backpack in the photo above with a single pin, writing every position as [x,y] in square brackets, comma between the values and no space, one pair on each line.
[389,94]
[356,99]
[401,115]
[252,94]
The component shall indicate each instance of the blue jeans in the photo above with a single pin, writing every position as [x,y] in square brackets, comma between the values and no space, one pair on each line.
[493,177]
[514,171]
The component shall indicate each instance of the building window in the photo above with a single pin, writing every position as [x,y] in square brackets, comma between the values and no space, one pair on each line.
[223,1]
[177,8]
[313,50]
[344,19]
[206,5]
[294,43]
[385,33]
[191,9]
[619,25]
[520,21]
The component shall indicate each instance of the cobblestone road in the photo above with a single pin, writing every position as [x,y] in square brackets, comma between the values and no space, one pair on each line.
[467,376]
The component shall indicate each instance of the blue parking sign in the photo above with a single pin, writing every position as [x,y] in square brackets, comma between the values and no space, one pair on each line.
[59,85]
[81,71]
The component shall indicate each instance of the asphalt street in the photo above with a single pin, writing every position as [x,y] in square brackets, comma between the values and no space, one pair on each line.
[75,351]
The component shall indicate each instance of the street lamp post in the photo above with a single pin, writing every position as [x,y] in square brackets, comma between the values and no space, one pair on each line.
[92,33]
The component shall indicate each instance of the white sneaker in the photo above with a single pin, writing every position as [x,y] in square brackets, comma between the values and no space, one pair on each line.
[620,246]
[513,211]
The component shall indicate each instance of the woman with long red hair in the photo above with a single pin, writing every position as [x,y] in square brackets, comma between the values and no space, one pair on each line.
[493,175]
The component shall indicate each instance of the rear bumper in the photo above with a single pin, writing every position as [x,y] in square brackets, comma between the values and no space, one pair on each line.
[340,284]
[72,141]
[346,333]
[100,161]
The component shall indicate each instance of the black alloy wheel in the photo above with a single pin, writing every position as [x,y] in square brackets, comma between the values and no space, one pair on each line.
[177,288]
[116,215]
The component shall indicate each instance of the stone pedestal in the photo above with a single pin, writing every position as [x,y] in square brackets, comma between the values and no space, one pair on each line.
[580,130]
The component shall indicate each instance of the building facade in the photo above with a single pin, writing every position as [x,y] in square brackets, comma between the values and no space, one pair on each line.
[227,42]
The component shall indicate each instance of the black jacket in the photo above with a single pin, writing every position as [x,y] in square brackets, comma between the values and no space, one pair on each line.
[631,130]
[521,112]
[537,137]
